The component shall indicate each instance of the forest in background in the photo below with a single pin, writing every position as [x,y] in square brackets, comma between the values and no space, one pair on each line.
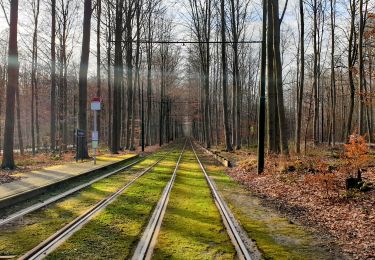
[316,74]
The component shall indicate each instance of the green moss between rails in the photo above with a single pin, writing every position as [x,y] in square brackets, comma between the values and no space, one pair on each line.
[275,236]
[192,226]
[114,233]
[18,238]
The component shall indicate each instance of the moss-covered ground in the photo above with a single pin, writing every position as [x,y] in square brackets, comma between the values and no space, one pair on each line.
[192,226]
[275,236]
[18,238]
[114,232]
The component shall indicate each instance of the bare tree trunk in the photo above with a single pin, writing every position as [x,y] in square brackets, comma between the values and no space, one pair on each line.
[138,6]
[53,77]
[19,127]
[13,67]
[272,113]
[333,75]
[98,64]
[161,111]
[129,70]
[2,86]
[302,78]
[371,107]
[225,79]
[361,106]
[82,109]
[118,73]
[236,80]
[279,81]
[34,81]
[315,81]
[351,62]
[149,83]
[109,64]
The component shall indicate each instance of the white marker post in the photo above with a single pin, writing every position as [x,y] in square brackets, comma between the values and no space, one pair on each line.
[95,106]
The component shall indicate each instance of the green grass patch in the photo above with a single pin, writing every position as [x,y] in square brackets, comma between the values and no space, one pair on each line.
[192,226]
[114,233]
[275,236]
[19,237]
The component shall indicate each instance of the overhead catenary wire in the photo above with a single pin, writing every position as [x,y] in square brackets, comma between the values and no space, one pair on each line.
[183,42]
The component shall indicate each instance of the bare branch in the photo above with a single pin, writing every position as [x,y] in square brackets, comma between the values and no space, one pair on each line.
[282,16]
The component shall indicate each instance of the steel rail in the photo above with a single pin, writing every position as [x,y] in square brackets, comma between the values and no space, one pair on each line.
[41,204]
[51,243]
[226,214]
[146,245]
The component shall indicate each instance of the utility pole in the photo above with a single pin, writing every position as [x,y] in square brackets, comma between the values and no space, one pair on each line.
[262,94]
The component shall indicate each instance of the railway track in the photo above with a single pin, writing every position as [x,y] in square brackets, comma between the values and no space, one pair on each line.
[41,204]
[51,243]
[228,218]
[146,245]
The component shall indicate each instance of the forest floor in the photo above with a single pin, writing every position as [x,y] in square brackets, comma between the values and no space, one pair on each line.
[27,162]
[311,190]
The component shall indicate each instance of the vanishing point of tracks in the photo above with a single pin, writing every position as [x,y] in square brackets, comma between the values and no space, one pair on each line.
[145,247]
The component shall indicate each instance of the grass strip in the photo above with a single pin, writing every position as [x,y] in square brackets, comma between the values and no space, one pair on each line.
[114,233]
[192,227]
[19,237]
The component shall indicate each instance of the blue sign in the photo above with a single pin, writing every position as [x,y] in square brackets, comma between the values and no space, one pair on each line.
[80,133]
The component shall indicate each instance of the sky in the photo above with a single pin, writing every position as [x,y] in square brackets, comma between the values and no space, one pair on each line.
[176,9]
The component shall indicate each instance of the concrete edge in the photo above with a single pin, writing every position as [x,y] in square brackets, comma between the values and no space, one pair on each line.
[20,197]
[219,158]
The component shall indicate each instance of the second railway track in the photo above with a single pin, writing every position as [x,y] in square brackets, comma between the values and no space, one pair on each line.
[43,203]
[63,234]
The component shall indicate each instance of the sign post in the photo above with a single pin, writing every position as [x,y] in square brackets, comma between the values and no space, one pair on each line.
[95,106]
[80,135]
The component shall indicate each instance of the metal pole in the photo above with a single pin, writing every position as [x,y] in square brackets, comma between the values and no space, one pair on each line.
[76,134]
[142,123]
[262,94]
[95,130]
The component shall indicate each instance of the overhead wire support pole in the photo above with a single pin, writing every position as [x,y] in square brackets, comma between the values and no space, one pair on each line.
[262,95]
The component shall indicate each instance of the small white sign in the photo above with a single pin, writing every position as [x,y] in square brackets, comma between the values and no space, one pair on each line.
[95,136]
[95,105]
[94,144]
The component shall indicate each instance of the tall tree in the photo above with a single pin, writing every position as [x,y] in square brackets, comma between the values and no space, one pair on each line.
[238,15]
[53,76]
[82,109]
[98,60]
[333,74]
[279,78]
[109,72]
[13,69]
[149,50]
[224,65]
[118,74]
[19,127]
[129,9]
[34,82]
[315,73]
[352,54]
[302,77]
[272,113]
[361,121]
[201,19]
